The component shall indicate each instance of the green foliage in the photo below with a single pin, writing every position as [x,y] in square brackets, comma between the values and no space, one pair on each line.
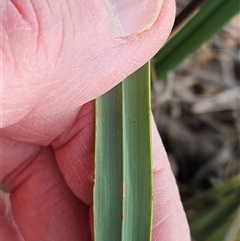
[213,214]
[200,27]
[123,173]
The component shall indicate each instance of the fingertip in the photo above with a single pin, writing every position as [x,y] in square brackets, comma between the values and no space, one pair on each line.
[169,218]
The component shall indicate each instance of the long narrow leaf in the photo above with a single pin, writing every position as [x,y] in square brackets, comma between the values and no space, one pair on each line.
[206,223]
[123,174]
[108,167]
[137,208]
[218,192]
[210,18]
[222,233]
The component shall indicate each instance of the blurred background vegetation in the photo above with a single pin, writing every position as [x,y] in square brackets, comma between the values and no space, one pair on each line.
[197,111]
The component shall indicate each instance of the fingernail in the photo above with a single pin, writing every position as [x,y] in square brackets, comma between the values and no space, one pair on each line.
[130,17]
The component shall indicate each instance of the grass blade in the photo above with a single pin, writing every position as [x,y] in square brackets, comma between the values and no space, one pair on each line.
[123,172]
[108,167]
[137,208]
[212,213]
[210,18]
[218,192]
[206,223]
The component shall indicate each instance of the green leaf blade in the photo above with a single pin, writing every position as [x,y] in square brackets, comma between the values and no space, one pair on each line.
[123,168]
[137,203]
[108,167]
[211,17]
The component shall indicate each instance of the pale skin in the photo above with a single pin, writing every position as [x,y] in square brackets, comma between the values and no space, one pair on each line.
[57,57]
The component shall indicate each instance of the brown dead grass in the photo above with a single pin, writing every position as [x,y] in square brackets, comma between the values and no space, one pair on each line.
[197,110]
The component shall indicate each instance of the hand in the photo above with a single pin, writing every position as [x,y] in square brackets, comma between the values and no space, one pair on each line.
[57,57]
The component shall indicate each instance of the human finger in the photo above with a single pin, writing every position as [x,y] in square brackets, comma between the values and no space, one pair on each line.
[59,55]
[43,206]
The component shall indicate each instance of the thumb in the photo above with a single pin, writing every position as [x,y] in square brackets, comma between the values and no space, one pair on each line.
[132,17]
[58,55]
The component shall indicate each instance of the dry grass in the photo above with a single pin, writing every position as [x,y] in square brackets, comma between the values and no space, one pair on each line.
[197,112]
